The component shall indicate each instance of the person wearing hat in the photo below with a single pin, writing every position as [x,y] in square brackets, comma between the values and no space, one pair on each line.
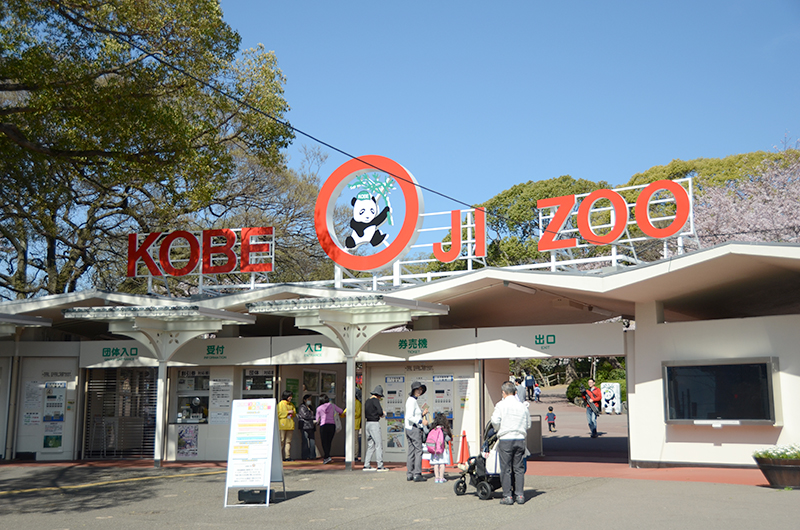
[415,433]
[373,412]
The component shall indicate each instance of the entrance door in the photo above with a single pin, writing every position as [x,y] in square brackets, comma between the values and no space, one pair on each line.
[120,413]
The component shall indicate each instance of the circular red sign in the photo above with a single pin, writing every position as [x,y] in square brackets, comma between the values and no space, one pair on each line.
[326,204]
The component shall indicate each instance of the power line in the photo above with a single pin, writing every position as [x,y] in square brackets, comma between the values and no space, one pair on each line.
[207,84]
[155,56]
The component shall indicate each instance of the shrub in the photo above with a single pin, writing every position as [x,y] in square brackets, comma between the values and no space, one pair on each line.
[784,452]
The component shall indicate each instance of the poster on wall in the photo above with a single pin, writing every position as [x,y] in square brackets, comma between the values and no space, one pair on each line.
[33,396]
[55,401]
[443,395]
[31,418]
[53,437]
[310,382]
[611,404]
[187,441]
[328,384]
[463,386]
[293,386]
[395,436]
[221,394]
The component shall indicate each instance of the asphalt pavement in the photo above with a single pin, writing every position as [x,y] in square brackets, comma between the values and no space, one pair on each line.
[573,485]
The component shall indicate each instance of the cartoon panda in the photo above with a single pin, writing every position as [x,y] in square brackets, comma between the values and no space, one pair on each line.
[365,221]
[609,398]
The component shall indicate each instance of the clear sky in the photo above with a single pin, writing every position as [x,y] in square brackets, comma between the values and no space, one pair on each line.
[474,97]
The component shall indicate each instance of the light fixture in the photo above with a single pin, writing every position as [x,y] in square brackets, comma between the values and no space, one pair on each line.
[520,288]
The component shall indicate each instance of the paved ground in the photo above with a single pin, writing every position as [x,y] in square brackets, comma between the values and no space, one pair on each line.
[574,485]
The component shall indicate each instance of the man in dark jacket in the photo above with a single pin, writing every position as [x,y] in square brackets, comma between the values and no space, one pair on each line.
[373,412]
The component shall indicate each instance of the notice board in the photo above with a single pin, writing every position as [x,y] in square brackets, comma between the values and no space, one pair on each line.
[254,459]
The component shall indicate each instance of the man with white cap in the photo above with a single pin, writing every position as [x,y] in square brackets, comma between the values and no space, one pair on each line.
[415,432]
[373,412]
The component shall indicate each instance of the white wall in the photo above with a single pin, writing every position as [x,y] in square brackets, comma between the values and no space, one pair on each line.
[465,412]
[652,440]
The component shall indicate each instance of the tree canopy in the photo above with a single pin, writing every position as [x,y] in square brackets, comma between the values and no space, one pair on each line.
[730,198]
[109,125]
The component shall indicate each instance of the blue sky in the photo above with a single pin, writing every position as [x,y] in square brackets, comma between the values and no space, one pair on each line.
[474,97]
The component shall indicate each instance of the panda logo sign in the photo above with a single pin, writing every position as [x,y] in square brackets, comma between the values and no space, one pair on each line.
[377,234]
[365,221]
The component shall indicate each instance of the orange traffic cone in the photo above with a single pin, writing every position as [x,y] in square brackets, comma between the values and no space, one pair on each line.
[463,449]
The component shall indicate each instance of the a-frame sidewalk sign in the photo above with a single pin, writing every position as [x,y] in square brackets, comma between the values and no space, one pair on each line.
[254,459]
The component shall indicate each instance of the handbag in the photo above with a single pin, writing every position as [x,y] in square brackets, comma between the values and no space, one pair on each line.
[337,420]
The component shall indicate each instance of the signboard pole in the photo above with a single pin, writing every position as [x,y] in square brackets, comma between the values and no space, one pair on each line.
[254,459]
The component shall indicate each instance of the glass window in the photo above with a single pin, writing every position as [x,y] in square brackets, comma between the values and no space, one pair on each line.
[192,402]
[258,383]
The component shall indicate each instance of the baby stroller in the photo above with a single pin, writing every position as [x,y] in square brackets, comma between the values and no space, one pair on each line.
[483,472]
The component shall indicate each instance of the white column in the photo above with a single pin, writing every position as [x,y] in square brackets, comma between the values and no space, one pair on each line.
[161,412]
[350,418]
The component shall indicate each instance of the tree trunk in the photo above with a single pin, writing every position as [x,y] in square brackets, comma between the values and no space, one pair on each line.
[572,371]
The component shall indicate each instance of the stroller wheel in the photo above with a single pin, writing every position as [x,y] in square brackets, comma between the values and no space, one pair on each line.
[460,487]
[484,491]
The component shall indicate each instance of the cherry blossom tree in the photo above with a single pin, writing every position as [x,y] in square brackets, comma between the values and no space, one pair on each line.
[762,207]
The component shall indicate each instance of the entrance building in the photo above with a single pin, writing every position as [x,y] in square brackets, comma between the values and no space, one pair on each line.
[726,320]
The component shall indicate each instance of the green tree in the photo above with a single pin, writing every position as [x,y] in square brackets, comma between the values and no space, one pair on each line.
[99,136]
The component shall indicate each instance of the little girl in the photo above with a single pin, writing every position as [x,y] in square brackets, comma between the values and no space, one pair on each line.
[439,460]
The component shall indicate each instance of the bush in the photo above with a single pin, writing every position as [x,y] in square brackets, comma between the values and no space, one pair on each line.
[574,391]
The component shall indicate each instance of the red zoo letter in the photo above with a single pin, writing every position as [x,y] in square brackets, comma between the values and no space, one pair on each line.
[547,240]
[135,254]
[455,240]
[480,232]
[248,248]
[682,208]
[210,249]
[585,226]
[194,253]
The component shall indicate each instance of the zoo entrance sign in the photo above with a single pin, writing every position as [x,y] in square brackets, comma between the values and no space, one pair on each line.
[371,208]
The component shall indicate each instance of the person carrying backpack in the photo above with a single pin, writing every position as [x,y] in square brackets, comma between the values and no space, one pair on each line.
[436,443]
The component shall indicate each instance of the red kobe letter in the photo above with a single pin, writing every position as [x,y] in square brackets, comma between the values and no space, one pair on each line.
[248,248]
[194,253]
[455,240]
[135,254]
[547,240]
[210,249]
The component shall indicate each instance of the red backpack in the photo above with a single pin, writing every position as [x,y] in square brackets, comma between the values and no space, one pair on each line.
[435,441]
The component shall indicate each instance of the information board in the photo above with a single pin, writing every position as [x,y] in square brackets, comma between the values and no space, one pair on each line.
[254,459]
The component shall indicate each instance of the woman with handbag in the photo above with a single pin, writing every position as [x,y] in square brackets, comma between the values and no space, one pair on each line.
[327,413]
[307,427]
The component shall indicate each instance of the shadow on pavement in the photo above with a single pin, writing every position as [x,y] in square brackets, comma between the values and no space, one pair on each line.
[80,489]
